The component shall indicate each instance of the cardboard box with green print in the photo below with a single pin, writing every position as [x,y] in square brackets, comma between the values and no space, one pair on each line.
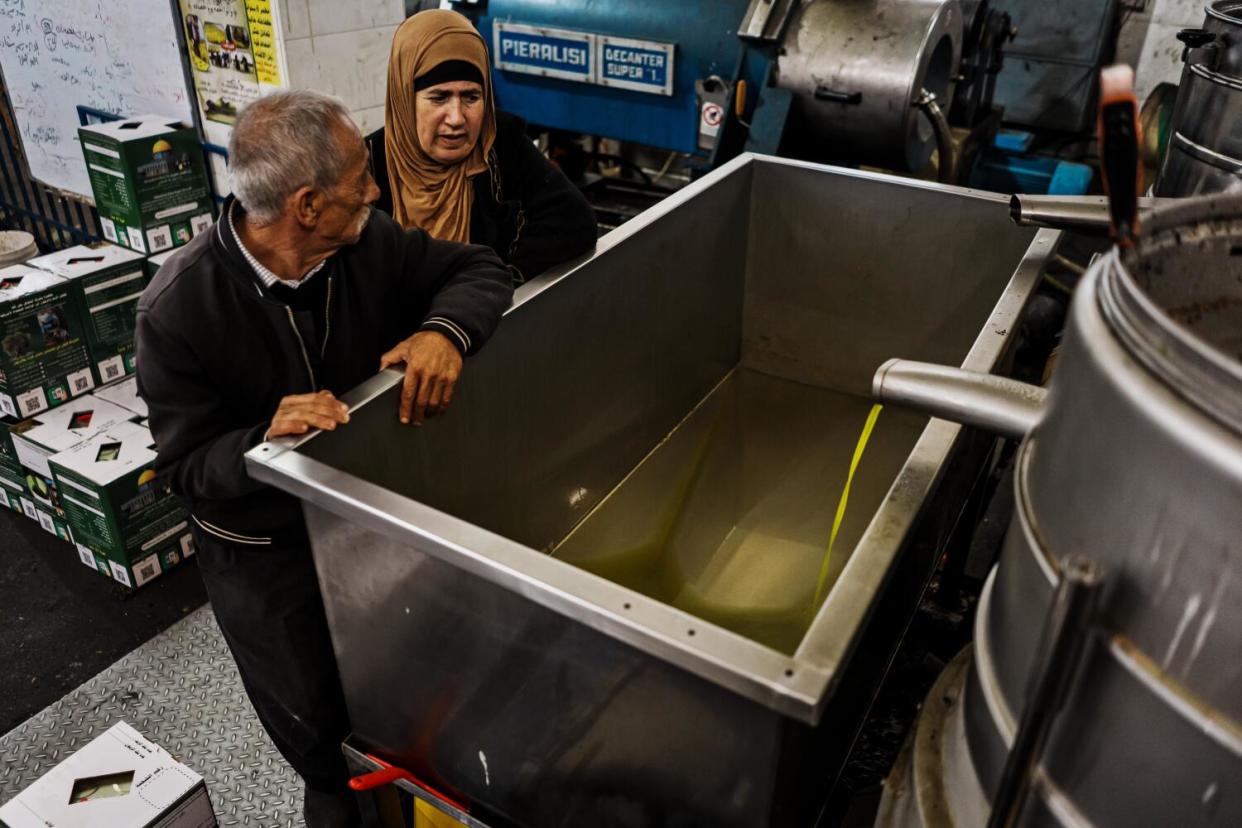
[149,181]
[107,281]
[11,492]
[154,263]
[43,356]
[125,394]
[36,439]
[93,560]
[10,467]
[118,508]
[51,523]
[12,479]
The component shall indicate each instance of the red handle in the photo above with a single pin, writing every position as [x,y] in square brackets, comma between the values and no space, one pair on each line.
[389,773]
[379,778]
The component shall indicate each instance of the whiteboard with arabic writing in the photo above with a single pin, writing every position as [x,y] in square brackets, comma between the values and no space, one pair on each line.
[116,55]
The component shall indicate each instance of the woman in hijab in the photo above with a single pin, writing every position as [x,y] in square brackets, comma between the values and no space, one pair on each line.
[459,169]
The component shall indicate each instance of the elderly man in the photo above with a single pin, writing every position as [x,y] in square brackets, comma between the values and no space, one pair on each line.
[251,332]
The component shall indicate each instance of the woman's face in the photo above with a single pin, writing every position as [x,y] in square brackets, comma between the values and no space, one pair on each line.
[449,117]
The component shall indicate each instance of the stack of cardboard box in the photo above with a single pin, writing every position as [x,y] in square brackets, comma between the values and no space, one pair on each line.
[37,439]
[75,452]
[85,471]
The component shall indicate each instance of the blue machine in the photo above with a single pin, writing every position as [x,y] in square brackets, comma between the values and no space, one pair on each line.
[657,74]
[859,82]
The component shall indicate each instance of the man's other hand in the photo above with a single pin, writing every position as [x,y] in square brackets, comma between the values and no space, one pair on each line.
[432,366]
[299,413]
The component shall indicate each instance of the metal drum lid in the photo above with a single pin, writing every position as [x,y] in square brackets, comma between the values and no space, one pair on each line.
[1175,301]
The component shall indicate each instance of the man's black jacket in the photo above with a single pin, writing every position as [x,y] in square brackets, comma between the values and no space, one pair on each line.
[216,351]
[524,207]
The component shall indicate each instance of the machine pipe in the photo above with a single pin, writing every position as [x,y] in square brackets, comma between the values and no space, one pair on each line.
[1083,214]
[926,101]
[1003,406]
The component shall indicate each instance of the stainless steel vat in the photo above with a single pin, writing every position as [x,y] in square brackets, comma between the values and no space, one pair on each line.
[546,695]
[1134,461]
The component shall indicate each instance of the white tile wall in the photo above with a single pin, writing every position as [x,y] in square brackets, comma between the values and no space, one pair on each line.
[1131,37]
[369,120]
[294,18]
[336,16]
[1149,42]
[303,70]
[353,66]
[341,47]
[1161,58]
[1186,13]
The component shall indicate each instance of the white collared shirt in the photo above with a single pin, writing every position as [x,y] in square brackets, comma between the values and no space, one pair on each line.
[269,278]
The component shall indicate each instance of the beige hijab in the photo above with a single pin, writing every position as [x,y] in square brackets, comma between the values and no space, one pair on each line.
[426,193]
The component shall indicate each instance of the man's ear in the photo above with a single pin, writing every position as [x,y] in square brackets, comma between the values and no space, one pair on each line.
[306,205]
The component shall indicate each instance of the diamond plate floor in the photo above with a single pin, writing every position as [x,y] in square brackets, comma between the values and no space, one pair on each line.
[182,691]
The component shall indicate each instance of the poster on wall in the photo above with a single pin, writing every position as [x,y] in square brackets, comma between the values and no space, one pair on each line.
[263,43]
[234,57]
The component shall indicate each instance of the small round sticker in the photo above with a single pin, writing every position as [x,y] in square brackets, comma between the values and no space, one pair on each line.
[713,114]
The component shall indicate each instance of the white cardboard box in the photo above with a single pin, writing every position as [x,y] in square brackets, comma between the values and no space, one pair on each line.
[35,440]
[124,394]
[118,780]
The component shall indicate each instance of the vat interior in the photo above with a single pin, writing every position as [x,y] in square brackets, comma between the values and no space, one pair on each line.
[729,517]
[679,413]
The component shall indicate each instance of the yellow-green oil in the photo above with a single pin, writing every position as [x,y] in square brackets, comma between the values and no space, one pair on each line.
[729,517]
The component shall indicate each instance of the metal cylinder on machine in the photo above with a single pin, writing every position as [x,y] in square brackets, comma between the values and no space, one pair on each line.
[1135,462]
[1205,150]
[858,68]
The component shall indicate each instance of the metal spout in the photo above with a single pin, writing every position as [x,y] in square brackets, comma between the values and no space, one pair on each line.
[1003,406]
[1083,214]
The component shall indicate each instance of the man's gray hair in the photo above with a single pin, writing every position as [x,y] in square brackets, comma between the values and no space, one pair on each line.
[282,142]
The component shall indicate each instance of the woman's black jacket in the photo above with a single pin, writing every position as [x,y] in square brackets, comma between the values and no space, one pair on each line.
[524,207]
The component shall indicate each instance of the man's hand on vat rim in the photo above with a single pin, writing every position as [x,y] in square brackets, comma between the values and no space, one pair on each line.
[432,366]
[299,413]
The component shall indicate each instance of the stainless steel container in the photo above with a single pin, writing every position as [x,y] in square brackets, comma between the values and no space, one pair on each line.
[1134,461]
[858,68]
[551,695]
[1205,150]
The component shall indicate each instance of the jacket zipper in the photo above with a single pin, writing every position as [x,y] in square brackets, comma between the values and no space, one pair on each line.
[327,321]
[302,344]
[231,537]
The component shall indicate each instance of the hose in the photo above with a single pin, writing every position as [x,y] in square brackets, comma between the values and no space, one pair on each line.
[926,101]
[668,165]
